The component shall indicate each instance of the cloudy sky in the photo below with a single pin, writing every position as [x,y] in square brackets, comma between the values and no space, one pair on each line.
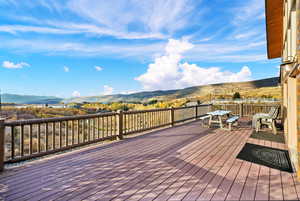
[93,47]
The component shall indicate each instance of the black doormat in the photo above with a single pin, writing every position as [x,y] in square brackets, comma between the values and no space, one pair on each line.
[268,135]
[270,157]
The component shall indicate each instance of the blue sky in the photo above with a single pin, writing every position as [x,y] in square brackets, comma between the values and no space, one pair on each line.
[93,47]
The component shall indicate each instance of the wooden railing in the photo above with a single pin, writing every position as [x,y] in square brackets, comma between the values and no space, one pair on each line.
[247,110]
[26,139]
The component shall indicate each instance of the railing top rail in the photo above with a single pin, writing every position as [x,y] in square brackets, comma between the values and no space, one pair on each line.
[79,117]
[252,104]
[203,105]
[143,111]
[163,109]
[56,119]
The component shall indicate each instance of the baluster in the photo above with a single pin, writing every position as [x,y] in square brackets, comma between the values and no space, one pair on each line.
[86,131]
[136,127]
[133,122]
[60,134]
[30,139]
[111,125]
[39,138]
[124,128]
[94,128]
[138,121]
[78,132]
[130,122]
[67,133]
[46,133]
[105,126]
[127,122]
[22,140]
[12,142]
[102,127]
[53,135]
[98,127]
[144,121]
[72,132]
[152,119]
[2,143]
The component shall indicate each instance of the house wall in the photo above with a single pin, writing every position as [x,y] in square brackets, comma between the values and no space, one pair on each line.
[289,106]
[298,122]
[292,140]
[297,45]
[291,84]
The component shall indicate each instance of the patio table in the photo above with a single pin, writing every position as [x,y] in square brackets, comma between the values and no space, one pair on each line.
[216,117]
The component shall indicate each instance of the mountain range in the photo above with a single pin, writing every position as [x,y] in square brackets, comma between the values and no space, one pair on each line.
[269,85]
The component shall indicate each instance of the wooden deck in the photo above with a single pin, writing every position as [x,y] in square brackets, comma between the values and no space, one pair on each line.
[181,163]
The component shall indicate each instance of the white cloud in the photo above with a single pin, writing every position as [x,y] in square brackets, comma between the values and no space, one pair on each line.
[11,65]
[13,29]
[107,90]
[66,69]
[142,17]
[213,52]
[98,68]
[251,10]
[56,47]
[55,27]
[167,71]
[246,35]
[76,93]
[161,19]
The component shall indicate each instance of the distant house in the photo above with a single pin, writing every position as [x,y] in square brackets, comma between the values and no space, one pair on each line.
[283,41]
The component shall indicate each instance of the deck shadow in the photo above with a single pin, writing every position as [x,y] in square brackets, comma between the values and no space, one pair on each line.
[268,136]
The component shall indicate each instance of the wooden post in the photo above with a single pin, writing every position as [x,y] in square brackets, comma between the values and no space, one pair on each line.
[241,109]
[172,116]
[120,134]
[2,149]
[196,112]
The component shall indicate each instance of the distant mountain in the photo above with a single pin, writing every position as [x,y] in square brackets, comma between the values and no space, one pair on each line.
[257,87]
[197,91]
[29,99]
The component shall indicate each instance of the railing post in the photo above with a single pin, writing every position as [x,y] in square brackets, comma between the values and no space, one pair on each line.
[196,112]
[120,134]
[2,148]
[172,116]
[241,109]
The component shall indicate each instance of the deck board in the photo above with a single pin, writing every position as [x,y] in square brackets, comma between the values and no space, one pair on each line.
[185,162]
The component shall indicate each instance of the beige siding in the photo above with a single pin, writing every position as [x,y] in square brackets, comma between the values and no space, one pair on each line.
[291,84]
[292,121]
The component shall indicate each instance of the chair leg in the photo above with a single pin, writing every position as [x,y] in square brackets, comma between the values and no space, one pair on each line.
[257,126]
[220,121]
[229,126]
[274,127]
[209,122]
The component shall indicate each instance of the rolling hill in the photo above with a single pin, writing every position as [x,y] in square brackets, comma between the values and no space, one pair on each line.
[29,99]
[256,88]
